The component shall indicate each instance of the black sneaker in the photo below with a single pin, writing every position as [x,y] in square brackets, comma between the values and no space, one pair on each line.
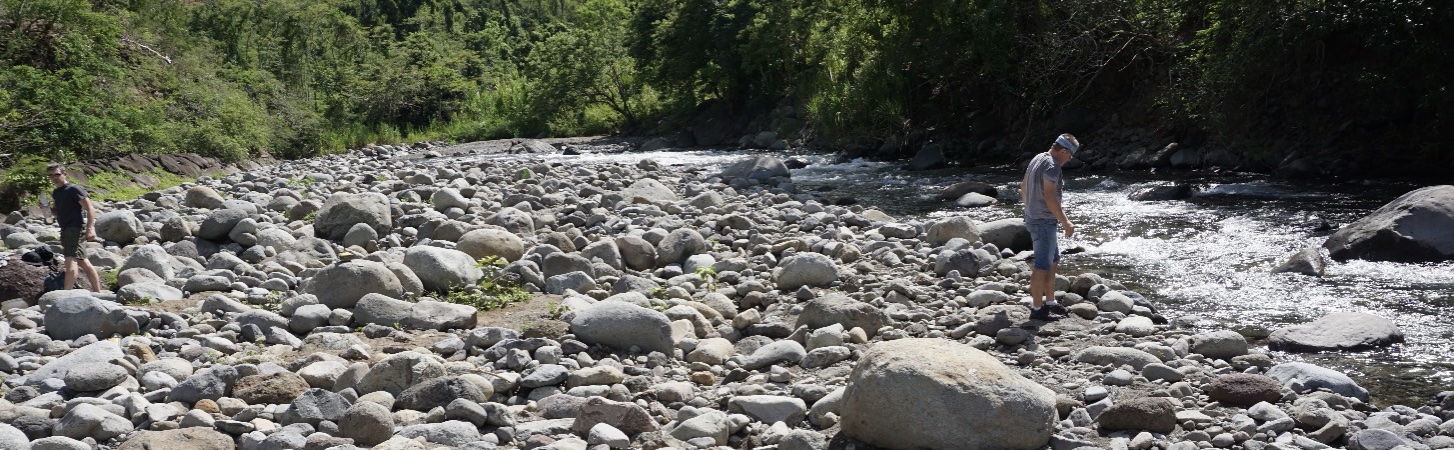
[1040,313]
[1057,309]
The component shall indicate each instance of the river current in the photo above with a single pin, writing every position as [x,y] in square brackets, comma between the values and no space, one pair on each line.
[1209,256]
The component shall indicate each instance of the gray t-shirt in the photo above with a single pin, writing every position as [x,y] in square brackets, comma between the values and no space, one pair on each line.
[1042,168]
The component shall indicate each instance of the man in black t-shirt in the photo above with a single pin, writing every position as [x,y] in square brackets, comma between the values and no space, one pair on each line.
[68,202]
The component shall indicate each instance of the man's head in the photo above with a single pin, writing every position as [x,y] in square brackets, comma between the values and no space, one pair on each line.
[57,174]
[1064,148]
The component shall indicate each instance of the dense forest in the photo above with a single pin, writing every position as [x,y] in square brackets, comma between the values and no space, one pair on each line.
[1354,79]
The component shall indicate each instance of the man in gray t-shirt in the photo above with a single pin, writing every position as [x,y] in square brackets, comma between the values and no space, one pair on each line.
[1040,191]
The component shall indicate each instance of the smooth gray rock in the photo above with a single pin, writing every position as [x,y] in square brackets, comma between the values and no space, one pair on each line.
[756,168]
[442,269]
[934,393]
[486,242]
[1337,332]
[840,309]
[367,423]
[148,292]
[398,372]
[1115,356]
[776,352]
[342,285]
[436,315]
[220,223]
[439,392]
[120,226]
[1308,261]
[649,189]
[86,420]
[381,310]
[769,408]
[452,433]
[94,377]
[1224,344]
[678,245]
[1303,377]
[211,384]
[622,325]
[150,257]
[73,317]
[1006,233]
[12,438]
[805,269]
[954,227]
[1412,228]
[341,211]
[316,405]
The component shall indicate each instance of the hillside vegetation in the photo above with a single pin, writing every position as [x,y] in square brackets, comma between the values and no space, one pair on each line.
[1352,80]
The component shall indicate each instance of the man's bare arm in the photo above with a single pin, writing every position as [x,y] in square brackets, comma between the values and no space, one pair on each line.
[1052,202]
[90,218]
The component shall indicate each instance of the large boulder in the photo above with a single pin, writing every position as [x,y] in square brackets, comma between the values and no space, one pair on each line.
[72,317]
[342,211]
[1155,414]
[220,223]
[1308,261]
[486,242]
[1115,356]
[342,285]
[398,372]
[757,168]
[194,438]
[1006,233]
[1303,377]
[680,244]
[1244,389]
[968,261]
[441,269]
[930,156]
[1337,331]
[150,257]
[839,309]
[120,227]
[97,353]
[1412,228]
[622,325]
[939,394]
[203,197]
[954,227]
[957,190]
[805,269]
[1224,344]
[21,280]
[439,392]
[649,190]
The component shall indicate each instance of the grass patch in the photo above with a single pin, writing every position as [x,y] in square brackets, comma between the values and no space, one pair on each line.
[120,187]
[496,289]
[109,278]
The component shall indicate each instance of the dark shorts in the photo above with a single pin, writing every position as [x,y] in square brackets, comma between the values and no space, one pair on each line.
[71,243]
[1043,240]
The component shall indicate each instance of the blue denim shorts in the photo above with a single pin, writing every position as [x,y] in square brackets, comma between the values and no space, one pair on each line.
[1042,238]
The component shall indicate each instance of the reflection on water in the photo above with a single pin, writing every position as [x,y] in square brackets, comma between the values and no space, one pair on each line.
[1209,256]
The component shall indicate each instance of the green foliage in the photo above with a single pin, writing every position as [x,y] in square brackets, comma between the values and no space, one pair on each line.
[109,278]
[116,186]
[496,289]
[709,275]
[555,310]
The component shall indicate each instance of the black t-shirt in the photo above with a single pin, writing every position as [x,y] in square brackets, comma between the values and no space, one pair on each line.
[68,205]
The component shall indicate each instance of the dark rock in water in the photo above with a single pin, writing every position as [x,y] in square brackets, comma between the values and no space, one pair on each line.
[795,163]
[1412,228]
[957,190]
[1176,191]
[845,201]
[1308,261]
[1073,250]
[569,150]
[931,156]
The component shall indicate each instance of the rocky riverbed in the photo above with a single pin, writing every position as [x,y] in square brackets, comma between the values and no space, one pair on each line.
[299,306]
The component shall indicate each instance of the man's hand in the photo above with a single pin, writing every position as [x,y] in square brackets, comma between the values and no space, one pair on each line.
[91,234]
[1069,228]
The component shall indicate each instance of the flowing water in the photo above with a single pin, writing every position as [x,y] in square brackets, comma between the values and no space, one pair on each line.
[1209,256]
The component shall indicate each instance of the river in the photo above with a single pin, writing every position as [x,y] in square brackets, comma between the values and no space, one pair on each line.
[1209,256]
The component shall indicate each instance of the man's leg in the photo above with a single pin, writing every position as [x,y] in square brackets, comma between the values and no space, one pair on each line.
[70,272]
[91,274]
[1036,288]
